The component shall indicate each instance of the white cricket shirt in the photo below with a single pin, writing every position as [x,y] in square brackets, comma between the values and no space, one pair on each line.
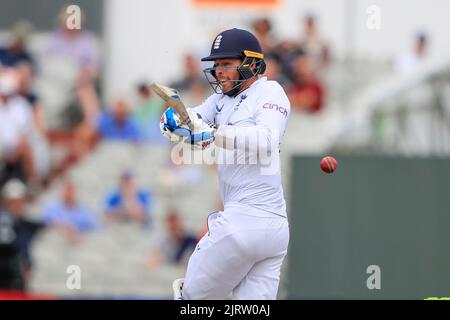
[15,122]
[251,126]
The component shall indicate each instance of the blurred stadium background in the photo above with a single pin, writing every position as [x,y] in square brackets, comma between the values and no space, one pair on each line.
[369,83]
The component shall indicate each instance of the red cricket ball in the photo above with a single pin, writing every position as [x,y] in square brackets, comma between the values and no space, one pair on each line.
[328,164]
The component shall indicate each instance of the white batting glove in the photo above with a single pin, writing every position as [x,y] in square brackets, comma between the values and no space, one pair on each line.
[203,134]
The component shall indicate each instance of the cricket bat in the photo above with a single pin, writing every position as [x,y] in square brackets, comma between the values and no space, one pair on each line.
[167,95]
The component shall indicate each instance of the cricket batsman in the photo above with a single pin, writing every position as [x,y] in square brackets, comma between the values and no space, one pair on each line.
[242,253]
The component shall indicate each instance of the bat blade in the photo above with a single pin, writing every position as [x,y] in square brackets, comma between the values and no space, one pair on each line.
[171,99]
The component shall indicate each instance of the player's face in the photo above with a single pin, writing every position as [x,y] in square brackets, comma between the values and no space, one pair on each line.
[226,71]
[15,206]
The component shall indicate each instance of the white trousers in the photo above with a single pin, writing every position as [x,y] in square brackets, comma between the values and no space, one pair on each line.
[241,254]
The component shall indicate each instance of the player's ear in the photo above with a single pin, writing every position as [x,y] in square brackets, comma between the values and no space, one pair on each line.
[253,66]
[258,66]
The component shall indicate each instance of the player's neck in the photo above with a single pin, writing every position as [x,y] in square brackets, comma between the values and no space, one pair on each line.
[247,84]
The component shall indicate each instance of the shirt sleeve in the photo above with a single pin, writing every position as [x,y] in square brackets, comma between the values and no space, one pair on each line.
[87,221]
[207,110]
[270,113]
[27,124]
[91,56]
[134,133]
[144,200]
[33,226]
[112,202]
[49,214]
[100,123]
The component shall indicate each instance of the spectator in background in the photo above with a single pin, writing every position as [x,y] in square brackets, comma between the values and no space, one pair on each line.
[196,92]
[38,138]
[174,176]
[192,73]
[409,61]
[273,71]
[25,74]
[16,235]
[192,84]
[69,216]
[16,127]
[285,53]
[117,123]
[147,114]
[313,43]
[177,246]
[80,47]
[16,52]
[263,29]
[128,202]
[307,91]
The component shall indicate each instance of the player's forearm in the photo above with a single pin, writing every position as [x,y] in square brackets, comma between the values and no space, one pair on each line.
[253,138]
